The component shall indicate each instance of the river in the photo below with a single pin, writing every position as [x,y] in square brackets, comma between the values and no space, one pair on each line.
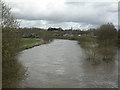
[61,64]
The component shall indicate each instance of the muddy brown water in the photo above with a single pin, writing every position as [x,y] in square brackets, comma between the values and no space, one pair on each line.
[61,64]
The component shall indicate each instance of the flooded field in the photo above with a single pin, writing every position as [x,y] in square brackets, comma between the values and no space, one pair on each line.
[62,64]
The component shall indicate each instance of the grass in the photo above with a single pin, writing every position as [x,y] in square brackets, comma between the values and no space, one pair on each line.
[30,42]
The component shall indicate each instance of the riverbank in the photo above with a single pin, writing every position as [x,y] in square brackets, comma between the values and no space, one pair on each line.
[82,40]
[16,70]
[31,42]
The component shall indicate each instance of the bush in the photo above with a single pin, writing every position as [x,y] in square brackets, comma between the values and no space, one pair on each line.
[11,67]
[107,35]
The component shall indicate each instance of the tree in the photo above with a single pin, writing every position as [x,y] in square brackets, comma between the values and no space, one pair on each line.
[7,19]
[10,47]
[45,35]
[106,38]
[107,35]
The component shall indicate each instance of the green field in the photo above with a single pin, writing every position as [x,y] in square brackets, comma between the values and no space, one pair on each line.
[30,42]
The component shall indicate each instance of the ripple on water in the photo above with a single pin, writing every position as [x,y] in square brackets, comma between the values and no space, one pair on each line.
[60,71]
[61,64]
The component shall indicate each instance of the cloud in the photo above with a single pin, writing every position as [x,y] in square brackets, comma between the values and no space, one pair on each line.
[64,13]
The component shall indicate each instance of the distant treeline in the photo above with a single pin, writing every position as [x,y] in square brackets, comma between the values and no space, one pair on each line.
[34,32]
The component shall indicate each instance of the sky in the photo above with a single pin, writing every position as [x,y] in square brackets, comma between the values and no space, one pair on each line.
[78,14]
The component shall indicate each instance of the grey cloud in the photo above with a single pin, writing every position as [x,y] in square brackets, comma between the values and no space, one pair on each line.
[93,13]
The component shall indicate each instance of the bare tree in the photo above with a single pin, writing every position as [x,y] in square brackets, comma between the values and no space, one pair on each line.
[10,47]
[7,19]
[107,38]
[107,35]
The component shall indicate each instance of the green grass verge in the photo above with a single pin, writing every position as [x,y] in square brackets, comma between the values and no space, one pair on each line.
[30,42]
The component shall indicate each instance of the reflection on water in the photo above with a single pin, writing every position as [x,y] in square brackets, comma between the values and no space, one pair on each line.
[61,64]
[102,75]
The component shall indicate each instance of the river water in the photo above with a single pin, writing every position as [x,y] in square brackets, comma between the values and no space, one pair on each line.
[61,64]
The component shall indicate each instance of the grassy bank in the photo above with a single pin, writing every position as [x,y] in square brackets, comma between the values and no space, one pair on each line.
[31,42]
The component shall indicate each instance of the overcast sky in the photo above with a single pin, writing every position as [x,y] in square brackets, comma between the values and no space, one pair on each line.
[79,14]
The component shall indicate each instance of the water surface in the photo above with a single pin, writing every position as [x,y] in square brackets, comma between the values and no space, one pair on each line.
[61,64]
